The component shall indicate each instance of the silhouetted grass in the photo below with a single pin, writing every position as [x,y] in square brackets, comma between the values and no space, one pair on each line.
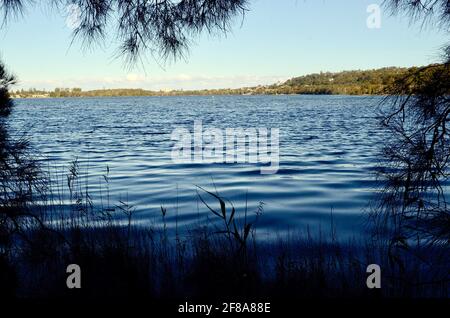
[216,260]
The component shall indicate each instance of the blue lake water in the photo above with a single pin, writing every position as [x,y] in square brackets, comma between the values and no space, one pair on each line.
[328,152]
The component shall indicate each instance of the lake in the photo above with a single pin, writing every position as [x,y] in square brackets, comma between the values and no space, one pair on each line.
[328,154]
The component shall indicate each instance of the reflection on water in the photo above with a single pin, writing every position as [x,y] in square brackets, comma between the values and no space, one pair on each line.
[328,147]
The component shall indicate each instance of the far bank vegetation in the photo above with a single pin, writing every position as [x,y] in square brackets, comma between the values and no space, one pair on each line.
[369,82]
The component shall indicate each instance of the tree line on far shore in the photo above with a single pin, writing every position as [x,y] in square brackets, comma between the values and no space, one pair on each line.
[368,82]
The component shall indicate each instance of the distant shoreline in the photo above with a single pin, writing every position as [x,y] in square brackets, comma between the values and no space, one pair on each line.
[191,95]
[375,82]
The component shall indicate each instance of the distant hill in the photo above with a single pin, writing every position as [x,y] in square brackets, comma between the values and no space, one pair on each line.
[360,82]
[372,82]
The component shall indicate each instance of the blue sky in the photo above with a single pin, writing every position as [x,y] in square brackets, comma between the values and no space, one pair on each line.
[278,39]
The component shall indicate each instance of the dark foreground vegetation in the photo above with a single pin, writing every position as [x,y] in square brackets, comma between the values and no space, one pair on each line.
[219,258]
[369,82]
